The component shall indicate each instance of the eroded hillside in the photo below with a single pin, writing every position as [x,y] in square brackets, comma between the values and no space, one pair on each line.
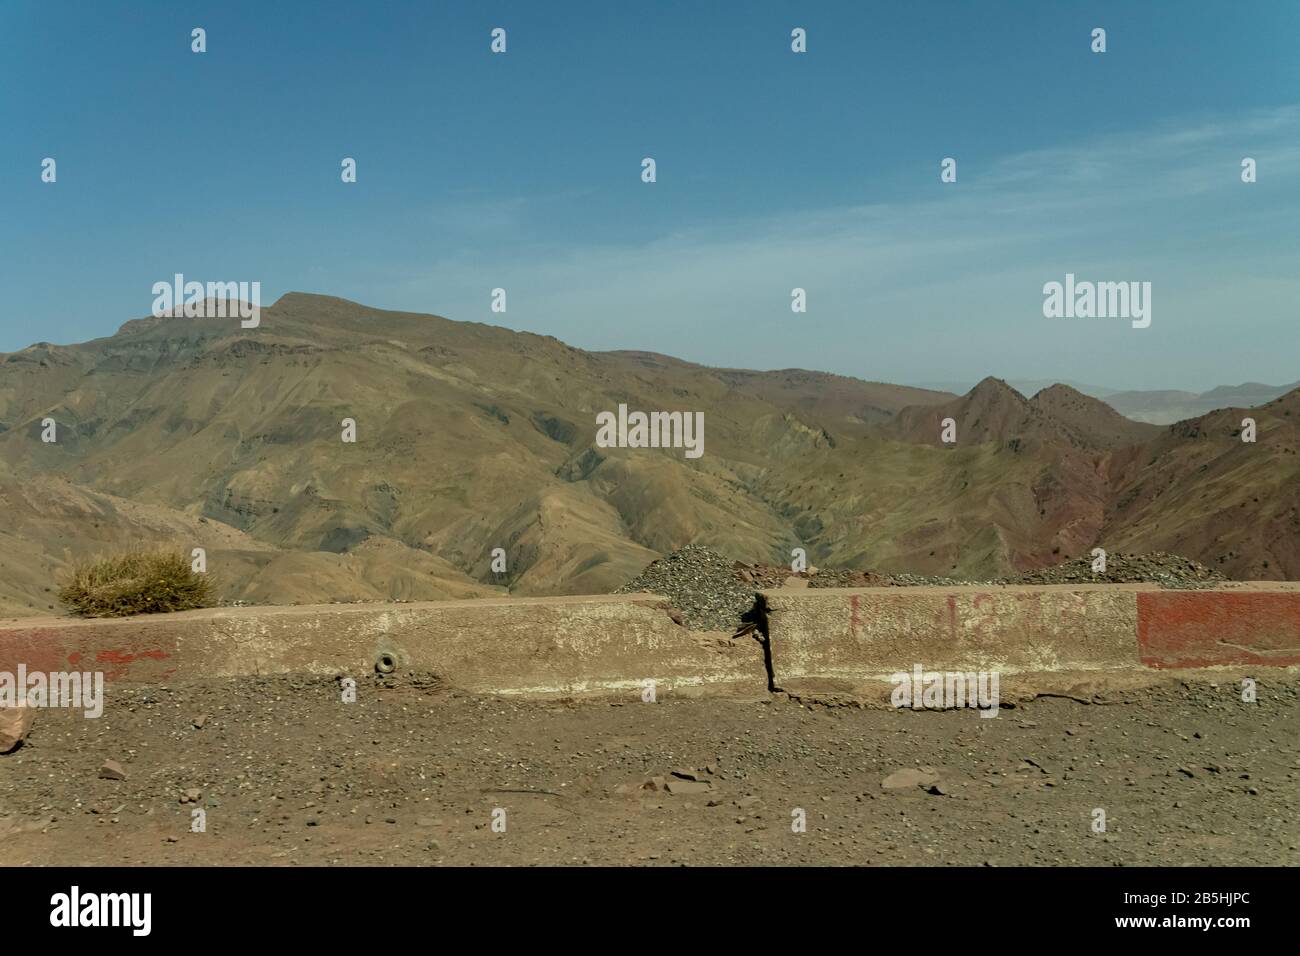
[472,437]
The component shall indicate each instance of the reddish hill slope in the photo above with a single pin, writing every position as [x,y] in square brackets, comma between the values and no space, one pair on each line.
[472,437]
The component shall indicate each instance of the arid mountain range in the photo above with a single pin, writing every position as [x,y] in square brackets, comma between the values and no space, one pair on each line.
[469,437]
[1157,406]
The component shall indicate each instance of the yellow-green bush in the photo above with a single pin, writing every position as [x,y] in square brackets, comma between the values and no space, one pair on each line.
[136,582]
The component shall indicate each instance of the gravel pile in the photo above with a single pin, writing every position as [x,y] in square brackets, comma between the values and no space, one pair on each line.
[1158,567]
[829,578]
[713,593]
[763,576]
[702,584]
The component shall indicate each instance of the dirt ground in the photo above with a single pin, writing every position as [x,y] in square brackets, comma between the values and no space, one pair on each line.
[413,773]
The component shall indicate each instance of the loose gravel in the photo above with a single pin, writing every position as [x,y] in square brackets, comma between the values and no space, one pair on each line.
[714,593]
[702,584]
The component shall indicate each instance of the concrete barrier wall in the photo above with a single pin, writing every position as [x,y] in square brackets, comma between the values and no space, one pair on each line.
[543,647]
[1258,625]
[612,644]
[866,634]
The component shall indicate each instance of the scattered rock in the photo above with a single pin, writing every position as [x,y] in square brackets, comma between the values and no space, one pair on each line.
[112,770]
[910,777]
[15,724]
[681,787]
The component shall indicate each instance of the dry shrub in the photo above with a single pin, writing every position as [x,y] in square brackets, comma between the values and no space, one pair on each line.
[136,582]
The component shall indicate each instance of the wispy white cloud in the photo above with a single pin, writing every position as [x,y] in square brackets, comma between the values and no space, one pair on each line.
[944,285]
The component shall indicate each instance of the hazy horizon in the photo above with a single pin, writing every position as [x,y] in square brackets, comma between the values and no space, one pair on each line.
[1025,385]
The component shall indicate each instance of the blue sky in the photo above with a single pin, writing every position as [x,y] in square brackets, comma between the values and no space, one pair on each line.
[775,170]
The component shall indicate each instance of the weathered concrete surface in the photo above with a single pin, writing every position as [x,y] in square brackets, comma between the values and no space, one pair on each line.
[1259,625]
[541,647]
[847,638]
[820,639]
[858,635]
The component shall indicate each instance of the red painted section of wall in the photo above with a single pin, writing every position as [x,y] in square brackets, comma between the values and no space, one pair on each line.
[1205,628]
[116,662]
[50,649]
